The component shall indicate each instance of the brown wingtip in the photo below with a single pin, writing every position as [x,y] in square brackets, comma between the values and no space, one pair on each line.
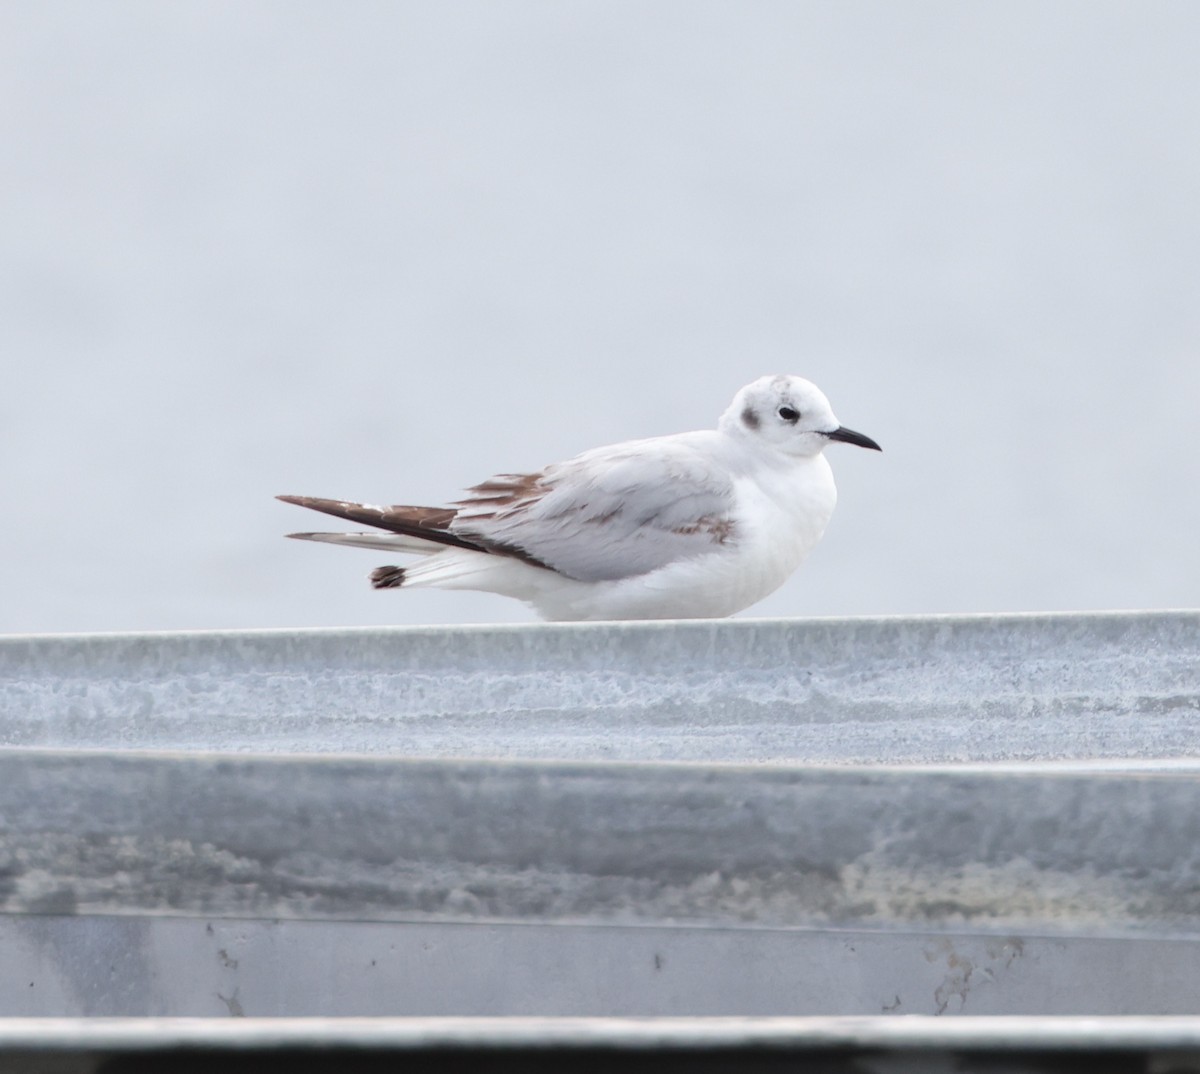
[387,577]
[297,500]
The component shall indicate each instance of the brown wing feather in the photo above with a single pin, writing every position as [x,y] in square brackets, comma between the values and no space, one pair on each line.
[429,523]
[503,491]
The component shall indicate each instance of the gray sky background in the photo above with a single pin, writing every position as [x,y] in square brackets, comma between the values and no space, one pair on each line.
[381,250]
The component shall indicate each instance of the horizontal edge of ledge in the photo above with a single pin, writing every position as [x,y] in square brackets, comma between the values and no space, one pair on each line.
[648,626]
[1012,1033]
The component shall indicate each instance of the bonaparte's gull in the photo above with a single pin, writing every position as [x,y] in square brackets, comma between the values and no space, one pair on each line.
[694,525]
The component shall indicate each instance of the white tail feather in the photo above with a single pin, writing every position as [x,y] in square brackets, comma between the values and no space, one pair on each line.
[461,568]
[387,542]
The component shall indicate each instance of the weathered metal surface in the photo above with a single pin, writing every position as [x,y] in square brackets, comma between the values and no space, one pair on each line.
[385,839]
[640,819]
[151,964]
[929,689]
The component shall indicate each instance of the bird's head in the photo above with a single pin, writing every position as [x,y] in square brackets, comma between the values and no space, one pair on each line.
[789,414]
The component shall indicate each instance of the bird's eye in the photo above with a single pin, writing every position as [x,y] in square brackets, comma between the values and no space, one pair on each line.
[788,414]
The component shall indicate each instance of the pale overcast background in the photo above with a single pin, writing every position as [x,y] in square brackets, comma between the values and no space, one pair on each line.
[381,250]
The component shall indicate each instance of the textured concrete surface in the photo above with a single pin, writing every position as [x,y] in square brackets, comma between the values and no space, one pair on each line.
[984,688]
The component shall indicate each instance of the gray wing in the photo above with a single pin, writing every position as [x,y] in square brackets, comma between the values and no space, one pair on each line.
[611,513]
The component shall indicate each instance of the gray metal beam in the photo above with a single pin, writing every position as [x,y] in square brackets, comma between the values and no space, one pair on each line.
[915,1033]
[947,815]
[154,964]
[923,690]
[388,839]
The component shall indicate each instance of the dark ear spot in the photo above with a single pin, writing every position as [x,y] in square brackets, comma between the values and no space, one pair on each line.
[750,418]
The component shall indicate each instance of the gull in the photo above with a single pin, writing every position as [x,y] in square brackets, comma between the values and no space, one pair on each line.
[695,525]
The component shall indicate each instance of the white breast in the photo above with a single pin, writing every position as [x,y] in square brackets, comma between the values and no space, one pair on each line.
[783,515]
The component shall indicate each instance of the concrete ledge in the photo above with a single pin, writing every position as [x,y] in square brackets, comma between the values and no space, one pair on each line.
[859,691]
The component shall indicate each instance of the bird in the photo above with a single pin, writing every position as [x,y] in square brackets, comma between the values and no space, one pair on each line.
[694,525]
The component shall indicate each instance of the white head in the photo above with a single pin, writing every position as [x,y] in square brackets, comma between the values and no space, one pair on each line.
[790,414]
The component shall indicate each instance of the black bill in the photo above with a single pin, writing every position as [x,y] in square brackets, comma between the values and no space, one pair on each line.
[849,436]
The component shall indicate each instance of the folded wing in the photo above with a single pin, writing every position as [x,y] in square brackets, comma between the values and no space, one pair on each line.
[612,513]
